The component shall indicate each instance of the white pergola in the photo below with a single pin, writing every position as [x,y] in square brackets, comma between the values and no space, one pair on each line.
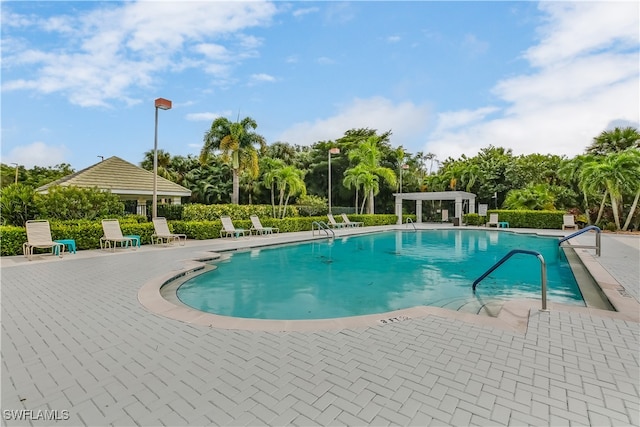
[457,196]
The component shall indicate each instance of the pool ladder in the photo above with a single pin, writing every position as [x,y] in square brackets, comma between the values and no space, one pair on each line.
[584,230]
[410,221]
[321,226]
[543,272]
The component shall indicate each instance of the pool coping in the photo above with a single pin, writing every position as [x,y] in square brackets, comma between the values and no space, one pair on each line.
[514,315]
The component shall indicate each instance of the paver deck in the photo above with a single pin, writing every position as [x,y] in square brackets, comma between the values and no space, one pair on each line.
[76,340]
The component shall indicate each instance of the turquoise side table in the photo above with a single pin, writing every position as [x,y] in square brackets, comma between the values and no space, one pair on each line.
[135,238]
[69,243]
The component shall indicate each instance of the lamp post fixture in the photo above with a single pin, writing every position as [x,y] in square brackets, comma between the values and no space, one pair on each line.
[333,150]
[16,172]
[161,104]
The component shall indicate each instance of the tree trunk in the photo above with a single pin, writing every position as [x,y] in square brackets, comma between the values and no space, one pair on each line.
[273,202]
[371,208]
[601,210]
[364,200]
[286,202]
[281,200]
[633,209]
[235,196]
[616,214]
[356,199]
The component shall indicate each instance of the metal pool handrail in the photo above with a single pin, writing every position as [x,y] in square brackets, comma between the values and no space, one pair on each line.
[584,230]
[543,272]
[410,221]
[322,226]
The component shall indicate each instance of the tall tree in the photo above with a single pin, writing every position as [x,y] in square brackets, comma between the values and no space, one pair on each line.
[614,141]
[615,173]
[236,141]
[290,182]
[354,178]
[367,154]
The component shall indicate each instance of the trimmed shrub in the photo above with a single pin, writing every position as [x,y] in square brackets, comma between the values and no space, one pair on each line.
[198,212]
[474,219]
[87,233]
[11,240]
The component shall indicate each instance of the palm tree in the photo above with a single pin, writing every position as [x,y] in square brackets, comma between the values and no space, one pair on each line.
[236,141]
[616,174]
[533,197]
[368,155]
[289,180]
[271,166]
[371,187]
[164,164]
[354,177]
[615,141]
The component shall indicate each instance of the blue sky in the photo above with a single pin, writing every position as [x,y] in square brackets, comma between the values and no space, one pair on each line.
[79,79]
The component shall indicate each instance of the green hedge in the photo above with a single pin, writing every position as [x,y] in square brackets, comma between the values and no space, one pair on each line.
[197,212]
[87,233]
[521,218]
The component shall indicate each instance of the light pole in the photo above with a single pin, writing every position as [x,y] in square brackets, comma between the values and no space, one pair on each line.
[16,172]
[333,150]
[162,104]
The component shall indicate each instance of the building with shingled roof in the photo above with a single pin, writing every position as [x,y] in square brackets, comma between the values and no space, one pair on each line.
[124,179]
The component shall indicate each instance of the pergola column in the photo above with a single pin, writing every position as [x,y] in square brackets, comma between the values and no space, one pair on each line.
[399,209]
[141,209]
[418,210]
[458,211]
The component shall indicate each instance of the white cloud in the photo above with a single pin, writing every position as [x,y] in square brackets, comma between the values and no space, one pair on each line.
[305,11]
[406,120]
[323,60]
[394,39]
[262,77]
[586,75]
[103,55]
[199,117]
[37,153]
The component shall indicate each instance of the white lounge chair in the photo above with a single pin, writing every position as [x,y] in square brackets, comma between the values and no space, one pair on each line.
[163,234]
[568,221]
[113,234]
[350,223]
[334,224]
[39,236]
[259,229]
[228,229]
[493,220]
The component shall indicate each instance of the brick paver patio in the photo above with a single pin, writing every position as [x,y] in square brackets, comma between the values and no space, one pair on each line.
[76,340]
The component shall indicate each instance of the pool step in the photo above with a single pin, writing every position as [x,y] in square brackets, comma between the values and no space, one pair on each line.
[490,308]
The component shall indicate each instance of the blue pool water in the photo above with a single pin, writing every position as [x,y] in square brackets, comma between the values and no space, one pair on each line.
[377,273]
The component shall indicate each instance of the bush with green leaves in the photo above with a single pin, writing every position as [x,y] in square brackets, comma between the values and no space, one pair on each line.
[79,203]
[18,204]
[170,212]
[474,219]
[198,212]
[87,233]
[310,205]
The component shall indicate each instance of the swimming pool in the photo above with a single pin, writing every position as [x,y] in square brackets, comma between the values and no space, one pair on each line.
[378,273]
